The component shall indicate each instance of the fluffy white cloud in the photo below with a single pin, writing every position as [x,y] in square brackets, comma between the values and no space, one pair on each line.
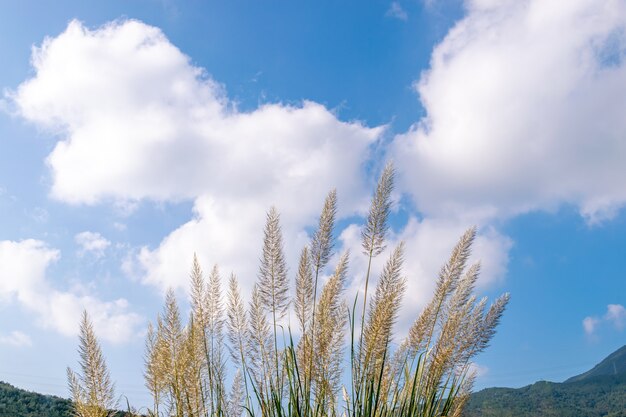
[23,267]
[615,316]
[16,339]
[91,242]
[136,120]
[524,107]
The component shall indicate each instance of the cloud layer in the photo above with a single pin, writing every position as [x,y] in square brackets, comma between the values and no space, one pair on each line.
[23,268]
[524,103]
[136,120]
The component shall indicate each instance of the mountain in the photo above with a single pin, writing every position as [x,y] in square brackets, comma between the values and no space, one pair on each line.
[601,391]
[15,402]
[614,364]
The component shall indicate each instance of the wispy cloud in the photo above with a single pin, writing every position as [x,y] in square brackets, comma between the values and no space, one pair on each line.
[396,11]
[615,316]
[91,242]
[16,339]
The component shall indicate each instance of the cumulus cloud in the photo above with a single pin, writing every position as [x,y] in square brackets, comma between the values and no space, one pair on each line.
[16,339]
[23,267]
[615,316]
[136,120]
[524,107]
[91,242]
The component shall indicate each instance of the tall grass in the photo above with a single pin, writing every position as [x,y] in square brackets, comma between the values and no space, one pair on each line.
[276,373]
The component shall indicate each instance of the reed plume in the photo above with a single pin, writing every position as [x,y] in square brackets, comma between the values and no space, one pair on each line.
[92,390]
[155,374]
[329,334]
[303,302]
[428,375]
[383,313]
[376,226]
[260,343]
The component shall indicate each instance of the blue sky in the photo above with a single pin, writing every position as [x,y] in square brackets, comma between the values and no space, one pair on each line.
[135,133]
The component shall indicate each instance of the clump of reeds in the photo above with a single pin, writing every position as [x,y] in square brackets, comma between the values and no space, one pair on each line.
[276,373]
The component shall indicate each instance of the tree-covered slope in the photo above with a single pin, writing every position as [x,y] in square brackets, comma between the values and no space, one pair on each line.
[599,396]
[600,391]
[15,402]
[614,364]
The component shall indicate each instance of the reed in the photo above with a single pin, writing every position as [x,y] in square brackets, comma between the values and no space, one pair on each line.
[276,373]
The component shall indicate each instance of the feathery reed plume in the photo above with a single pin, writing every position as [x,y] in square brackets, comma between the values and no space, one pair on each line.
[321,249]
[92,389]
[373,243]
[195,341]
[383,313]
[273,282]
[154,373]
[322,243]
[235,399]
[491,321]
[373,234]
[197,292]
[171,331]
[259,343]
[237,326]
[329,336]
[421,332]
[303,302]
[193,367]
[237,322]
[214,337]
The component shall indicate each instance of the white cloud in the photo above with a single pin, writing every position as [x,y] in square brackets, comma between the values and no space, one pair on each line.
[91,242]
[615,316]
[524,107]
[137,121]
[23,267]
[16,339]
[396,11]
[590,324]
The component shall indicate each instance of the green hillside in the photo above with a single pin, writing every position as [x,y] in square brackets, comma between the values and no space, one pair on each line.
[15,402]
[600,391]
[614,364]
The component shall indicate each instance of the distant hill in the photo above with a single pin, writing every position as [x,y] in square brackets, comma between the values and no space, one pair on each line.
[614,364]
[600,391]
[15,402]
